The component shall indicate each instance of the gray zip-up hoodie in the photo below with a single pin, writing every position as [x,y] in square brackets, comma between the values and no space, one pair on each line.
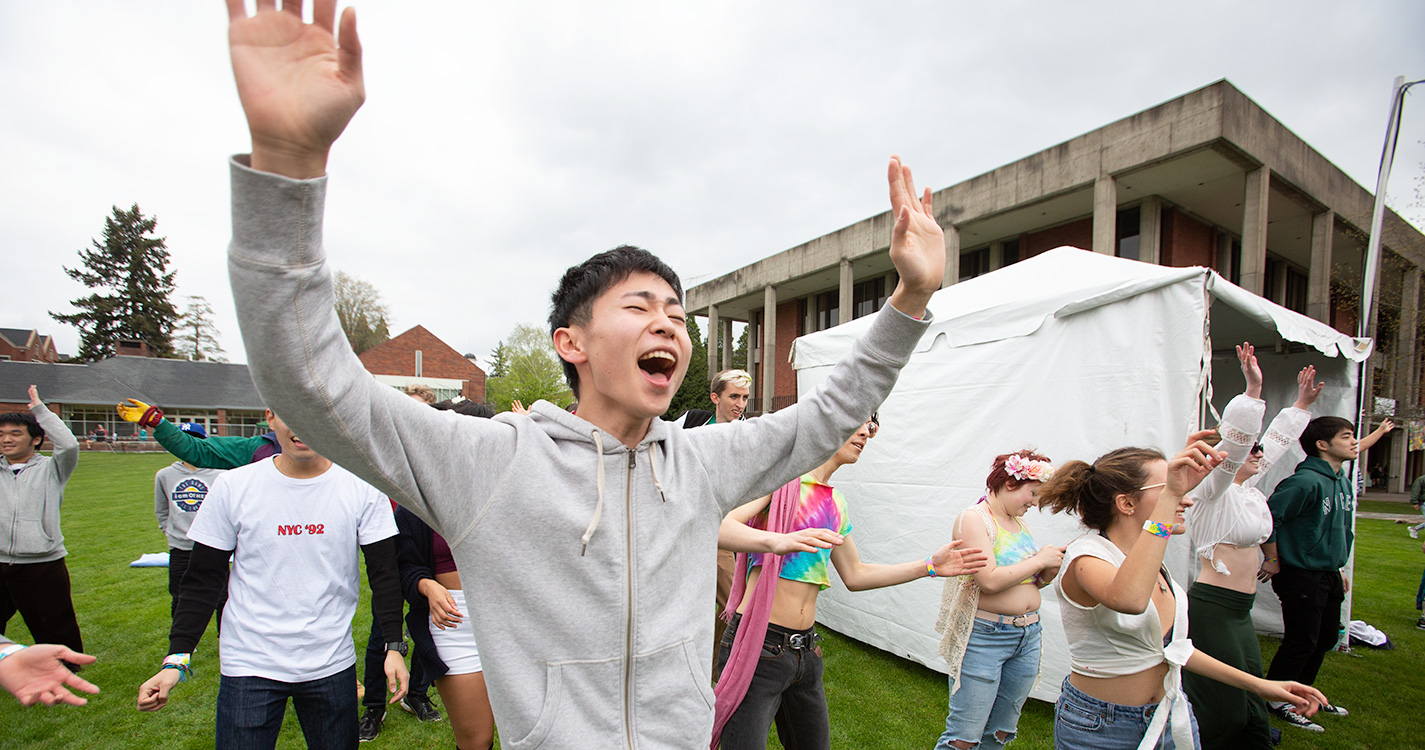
[29,501]
[588,567]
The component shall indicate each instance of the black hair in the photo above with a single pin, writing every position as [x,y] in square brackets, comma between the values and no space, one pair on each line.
[1322,428]
[573,301]
[28,421]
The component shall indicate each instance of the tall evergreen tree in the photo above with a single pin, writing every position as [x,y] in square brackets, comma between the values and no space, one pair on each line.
[196,337]
[132,265]
[693,393]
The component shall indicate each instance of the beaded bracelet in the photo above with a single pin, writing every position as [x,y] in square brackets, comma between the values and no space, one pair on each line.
[1163,530]
[180,662]
[929,567]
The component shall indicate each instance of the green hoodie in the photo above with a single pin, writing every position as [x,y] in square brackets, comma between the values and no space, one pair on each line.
[215,452]
[1311,517]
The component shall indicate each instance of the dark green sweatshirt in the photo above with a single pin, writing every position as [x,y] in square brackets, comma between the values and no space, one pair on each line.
[216,452]
[1311,517]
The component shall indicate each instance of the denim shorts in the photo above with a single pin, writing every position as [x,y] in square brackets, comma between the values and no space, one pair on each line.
[1000,665]
[1082,721]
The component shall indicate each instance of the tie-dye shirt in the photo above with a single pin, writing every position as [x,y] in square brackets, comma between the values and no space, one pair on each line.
[820,507]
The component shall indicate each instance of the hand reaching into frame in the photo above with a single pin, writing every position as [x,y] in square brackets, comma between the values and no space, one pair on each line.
[1250,369]
[952,561]
[299,87]
[917,242]
[1307,389]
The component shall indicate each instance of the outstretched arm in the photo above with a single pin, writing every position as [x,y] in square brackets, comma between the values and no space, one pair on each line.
[38,675]
[1376,434]
[949,560]
[300,84]
[66,446]
[736,536]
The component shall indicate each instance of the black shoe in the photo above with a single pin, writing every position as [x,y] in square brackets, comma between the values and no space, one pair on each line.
[1331,709]
[370,725]
[1292,718]
[420,705]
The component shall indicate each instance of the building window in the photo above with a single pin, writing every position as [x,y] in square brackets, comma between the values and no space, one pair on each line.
[1128,229]
[828,310]
[1294,292]
[974,263]
[867,297]
[1011,252]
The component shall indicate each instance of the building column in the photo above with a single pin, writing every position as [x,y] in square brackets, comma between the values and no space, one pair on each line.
[1105,215]
[222,430]
[769,346]
[727,344]
[952,256]
[996,256]
[848,280]
[1318,285]
[1254,231]
[1407,375]
[714,328]
[1150,230]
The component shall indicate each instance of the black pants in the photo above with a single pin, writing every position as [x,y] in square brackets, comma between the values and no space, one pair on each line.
[786,688]
[40,593]
[1311,614]
[178,560]
[374,675]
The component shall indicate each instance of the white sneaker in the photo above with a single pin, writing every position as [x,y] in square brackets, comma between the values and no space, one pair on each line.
[1331,709]
[1413,533]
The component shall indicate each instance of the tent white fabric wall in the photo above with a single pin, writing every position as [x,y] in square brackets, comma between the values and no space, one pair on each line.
[1074,354]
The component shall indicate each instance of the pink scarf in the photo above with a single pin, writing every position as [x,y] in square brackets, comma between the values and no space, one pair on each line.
[752,631]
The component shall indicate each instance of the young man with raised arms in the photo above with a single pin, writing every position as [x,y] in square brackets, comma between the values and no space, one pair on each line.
[588,536]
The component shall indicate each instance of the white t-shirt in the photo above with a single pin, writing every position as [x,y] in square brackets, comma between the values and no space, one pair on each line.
[294,583]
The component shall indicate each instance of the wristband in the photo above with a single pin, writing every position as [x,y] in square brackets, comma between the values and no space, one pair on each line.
[12,648]
[180,662]
[1270,559]
[151,417]
[1163,530]
[929,567]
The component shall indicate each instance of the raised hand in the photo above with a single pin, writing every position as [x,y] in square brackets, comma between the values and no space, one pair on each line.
[1250,369]
[35,397]
[951,561]
[1188,468]
[298,87]
[1307,389]
[917,242]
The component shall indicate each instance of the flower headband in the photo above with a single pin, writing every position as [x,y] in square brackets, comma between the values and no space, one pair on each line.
[1028,470]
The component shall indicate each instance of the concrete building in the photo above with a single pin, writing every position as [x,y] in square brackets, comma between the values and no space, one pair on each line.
[418,357]
[1209,178]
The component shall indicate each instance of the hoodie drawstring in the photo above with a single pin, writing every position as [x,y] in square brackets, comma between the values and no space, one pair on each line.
[653,465]
[598,508]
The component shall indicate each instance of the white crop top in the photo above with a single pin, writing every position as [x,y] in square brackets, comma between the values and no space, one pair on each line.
[1228,513]
[1107,643]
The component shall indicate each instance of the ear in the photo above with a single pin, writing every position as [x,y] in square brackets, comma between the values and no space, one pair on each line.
[569,345]
[1124,504]
[713,396]
[1322,446]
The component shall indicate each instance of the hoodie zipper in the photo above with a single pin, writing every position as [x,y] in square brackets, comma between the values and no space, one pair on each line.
[628,624]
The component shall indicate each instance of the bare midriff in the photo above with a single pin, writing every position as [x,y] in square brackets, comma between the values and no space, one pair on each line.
[1136,689]
[1242,564]
[1015,600]
[793,607]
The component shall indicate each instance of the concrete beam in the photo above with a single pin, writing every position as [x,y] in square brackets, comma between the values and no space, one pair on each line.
[952,256]
[1254,230]
[727,345]
[769,346]
[1105,214]
[1150,230]
[1318,285]
[714,328]
[996,255]
[848,281]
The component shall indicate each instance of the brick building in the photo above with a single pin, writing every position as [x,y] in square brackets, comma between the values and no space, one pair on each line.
[22,345]
[417,356]
[1207,179]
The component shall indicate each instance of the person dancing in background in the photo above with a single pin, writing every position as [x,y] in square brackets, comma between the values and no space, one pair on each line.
[1124,616]
[991,620]
[1228,520]
[770,664]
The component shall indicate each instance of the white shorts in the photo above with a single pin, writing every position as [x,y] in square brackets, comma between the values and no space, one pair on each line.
[456,645]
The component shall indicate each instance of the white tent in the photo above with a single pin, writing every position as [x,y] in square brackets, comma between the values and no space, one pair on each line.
[1073,353]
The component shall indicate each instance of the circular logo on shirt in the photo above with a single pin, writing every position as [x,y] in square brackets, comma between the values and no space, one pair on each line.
[189,494]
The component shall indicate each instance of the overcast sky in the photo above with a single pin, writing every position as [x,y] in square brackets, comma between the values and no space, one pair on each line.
[502,142]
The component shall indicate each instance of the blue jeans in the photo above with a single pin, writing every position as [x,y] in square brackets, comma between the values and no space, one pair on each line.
[250,711]
[1082,721]
[996,675]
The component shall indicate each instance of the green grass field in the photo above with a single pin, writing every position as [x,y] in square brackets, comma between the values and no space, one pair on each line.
[876,700]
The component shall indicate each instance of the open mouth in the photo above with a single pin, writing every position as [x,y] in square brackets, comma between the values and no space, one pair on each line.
[658,366]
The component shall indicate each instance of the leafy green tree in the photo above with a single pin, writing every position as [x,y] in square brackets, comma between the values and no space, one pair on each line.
[132,265]
[196,337]
[362,314]
[693,393]
[529,371]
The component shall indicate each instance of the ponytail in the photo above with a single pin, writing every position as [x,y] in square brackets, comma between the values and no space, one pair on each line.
[1088,490]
